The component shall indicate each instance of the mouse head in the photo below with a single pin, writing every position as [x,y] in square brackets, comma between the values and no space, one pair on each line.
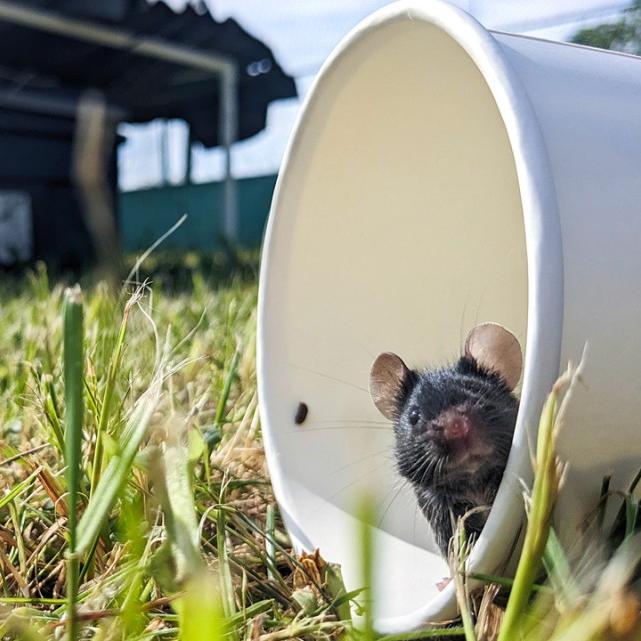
[455,421]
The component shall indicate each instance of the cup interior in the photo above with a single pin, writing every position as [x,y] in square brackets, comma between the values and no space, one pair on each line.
[397,226]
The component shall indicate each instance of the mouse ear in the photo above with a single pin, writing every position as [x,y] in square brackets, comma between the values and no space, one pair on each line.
[496,349]
[386,379]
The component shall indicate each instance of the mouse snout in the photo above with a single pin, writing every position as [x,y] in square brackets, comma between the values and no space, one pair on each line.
[452,425]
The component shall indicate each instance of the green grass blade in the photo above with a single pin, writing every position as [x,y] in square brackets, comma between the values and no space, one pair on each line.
[459,552]
[18,489]
[270,548]
[179,506]
[51,411]
[18,527]
[118,468]
[226,583]
[341,598]
[26,600]
[631,516]
[558,569]
[200,614]
[603,501]
[536,535]
[224,395]
[107,398]
[425,634]
[19,625]
[366,512]
[621,526]
[73,377]
[502,581]
[251,611]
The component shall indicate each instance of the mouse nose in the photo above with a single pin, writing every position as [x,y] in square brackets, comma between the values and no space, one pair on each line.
[452,425]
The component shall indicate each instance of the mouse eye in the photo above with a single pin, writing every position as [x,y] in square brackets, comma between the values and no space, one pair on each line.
[414,416]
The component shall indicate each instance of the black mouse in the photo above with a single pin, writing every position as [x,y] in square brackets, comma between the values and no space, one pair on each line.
[453,426]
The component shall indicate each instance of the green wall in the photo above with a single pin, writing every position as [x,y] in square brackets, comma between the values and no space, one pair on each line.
[147,214]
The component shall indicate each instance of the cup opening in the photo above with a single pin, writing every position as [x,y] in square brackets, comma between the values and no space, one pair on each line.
[409,209]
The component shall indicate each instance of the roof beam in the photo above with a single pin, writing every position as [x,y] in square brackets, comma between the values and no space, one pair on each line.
[22,99]
[53,22]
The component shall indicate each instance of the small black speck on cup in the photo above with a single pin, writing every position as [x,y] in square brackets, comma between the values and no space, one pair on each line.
[301,413]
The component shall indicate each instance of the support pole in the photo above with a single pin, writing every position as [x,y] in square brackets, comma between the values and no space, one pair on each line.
[188,157]
[165,169]
[228,128]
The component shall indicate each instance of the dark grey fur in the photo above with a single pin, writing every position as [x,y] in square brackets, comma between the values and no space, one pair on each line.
[447,484]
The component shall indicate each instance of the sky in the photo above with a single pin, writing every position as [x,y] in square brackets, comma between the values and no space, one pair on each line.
[302,33]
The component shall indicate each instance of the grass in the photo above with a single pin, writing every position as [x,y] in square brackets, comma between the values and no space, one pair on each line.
[135,503]
[73,380]
[118,512]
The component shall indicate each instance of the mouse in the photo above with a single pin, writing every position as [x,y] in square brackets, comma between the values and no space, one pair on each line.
[453,427]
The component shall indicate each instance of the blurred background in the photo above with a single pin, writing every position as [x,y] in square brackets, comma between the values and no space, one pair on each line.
[119,116]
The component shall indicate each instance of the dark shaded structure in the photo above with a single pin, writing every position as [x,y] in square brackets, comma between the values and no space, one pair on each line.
[148,62]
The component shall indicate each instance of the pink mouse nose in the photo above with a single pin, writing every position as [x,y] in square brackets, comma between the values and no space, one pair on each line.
[453,425]
[457,428]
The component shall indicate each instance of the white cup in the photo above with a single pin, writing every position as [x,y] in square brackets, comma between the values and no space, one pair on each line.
[440,176]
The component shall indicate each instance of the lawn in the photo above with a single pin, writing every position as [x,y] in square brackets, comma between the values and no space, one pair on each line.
[169,361]
[136,493]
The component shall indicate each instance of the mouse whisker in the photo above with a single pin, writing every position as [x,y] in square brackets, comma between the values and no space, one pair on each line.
[329,377]
[371,455]
[349,421]
[391,502]
[310,430]
[358,478]
[429,464]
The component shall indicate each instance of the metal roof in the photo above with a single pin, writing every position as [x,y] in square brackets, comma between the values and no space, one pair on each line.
[48,65]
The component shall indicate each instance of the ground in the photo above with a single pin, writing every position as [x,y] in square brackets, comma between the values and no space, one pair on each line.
[150,513]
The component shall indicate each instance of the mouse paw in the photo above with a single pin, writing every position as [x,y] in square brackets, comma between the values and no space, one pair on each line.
[443,583]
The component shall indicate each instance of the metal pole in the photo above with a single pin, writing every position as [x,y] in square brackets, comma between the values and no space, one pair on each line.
[164,152]
[188,157]
[228,128]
